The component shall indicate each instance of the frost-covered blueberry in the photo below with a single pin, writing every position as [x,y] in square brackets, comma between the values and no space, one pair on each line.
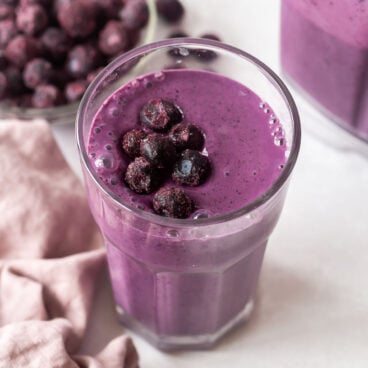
[6,11]
[56,43]
[113,38]
[178,52]
[142,176]
[158,149]
[8,31]
[159,114]
[74,90]
[46,96]
[9,2]
[192,168]
[172,202]
[81,60]
[134,14]
[15,85]
[31,19]
[131,142]
[185,135]
[36,72]
[22,49]
[77,18]
[206,55]
[170,10]
[3,85]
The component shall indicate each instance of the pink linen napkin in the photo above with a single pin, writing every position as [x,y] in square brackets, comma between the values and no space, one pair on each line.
[50,257]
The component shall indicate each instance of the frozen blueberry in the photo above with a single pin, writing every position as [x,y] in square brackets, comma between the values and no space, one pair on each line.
[131,142]
[55,43]
[110,8]
[31,19]
[172,202]
[8,30]
[159,114]
[178,52]
[9,2]
[93,74]
[74,90]
[22,49]
[77,18]
[36,72]
[3,85]
[113,38]
[134,14]
[6,12]
[186,135]
[3,60]
[46,96]
[81,60]
[192,168]
[170,10]
[158,149]
[44,3]
[204,54]
[142,176]
[14,79]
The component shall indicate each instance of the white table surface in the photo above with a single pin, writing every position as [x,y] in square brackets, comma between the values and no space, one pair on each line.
[312,308]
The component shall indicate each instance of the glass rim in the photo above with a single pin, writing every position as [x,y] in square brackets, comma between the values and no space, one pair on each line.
[183,42]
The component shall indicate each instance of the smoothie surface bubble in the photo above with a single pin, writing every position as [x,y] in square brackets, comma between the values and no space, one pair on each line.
[159,76]
[105,161]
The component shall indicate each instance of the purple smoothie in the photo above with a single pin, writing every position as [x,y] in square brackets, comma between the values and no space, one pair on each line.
[186,281]
[324,49]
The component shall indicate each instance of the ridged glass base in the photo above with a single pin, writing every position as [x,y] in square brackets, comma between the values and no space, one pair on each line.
[170,342]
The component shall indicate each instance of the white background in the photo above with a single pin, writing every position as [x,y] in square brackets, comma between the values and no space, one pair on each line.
[312,303]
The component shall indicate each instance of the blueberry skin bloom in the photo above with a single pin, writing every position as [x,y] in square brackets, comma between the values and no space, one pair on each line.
[192,169]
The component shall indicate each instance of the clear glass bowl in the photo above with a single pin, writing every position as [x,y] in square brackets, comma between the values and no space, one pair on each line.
[65,114]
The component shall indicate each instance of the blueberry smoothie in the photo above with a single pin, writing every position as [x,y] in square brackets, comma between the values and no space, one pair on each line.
[324,49]
[186,172]
[189,281]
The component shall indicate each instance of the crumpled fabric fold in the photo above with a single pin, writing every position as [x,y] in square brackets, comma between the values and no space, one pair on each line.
[50,257]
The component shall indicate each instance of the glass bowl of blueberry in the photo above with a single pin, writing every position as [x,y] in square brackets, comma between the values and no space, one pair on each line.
[50,50]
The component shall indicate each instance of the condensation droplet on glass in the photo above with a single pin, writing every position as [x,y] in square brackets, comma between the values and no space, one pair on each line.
[281,166]
[172,233]
[266,110]
[97,130]
[262,105]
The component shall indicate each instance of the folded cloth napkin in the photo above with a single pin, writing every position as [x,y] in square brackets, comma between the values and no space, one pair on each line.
[50,257]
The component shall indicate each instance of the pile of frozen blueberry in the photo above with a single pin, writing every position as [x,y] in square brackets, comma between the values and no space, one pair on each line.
[164,147]
[50,50]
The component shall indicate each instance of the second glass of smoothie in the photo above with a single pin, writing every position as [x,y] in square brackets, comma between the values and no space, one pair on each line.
[185,282]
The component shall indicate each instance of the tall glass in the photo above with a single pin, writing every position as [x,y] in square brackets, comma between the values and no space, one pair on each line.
[185,283]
